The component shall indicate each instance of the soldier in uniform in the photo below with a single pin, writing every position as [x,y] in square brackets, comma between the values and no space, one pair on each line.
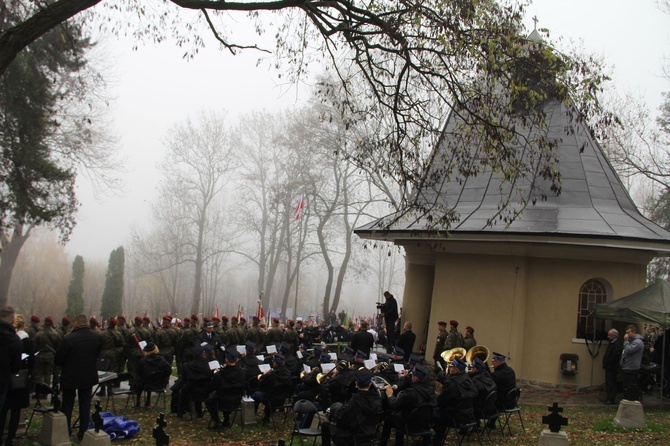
[179,349]
[217,326]
[190,336]
[439,344]
[123,331]
[469,341]
[275,335]
[291,336]
[135,353]
[34,326]
[112,346]
[242,329]
[194,323]
[224,324]
[255,334]
[232,336]
[147,329]
[454,338]
[45,345]
[64,326]
[166,339]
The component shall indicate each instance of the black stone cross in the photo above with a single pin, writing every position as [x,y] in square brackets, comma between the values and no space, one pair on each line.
[554,419]
[96,417]
[159,434]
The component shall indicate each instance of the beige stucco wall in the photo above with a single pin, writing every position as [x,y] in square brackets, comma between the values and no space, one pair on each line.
[523,306]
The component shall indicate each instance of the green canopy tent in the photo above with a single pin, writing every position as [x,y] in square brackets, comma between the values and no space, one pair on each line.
[651,304]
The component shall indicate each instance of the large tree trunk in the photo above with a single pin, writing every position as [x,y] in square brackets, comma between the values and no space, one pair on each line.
[11,247]
[197,286]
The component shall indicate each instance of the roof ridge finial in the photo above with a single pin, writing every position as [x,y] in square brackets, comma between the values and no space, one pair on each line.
[535,20]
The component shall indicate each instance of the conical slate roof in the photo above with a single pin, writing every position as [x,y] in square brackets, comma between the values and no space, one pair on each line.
[593,202]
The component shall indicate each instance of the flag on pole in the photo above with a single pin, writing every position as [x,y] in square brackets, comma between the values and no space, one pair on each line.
[299,207]
[260,312]
[216,312]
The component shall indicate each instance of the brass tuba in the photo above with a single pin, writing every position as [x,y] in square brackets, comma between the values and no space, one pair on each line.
[478,351]
[450,355]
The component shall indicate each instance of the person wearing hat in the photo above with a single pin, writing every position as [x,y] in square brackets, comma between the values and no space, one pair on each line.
[274,387]
[242,328]
[45,344]
[166,339]
[406,340]
[339,386]
[439,346]
[77,355]
[197,376]
[64,326]
[189,337]
[249,364]
[420,393]
[17,400]
[123,330]
[291,336]
[216,320]
[456,402]
[153,372]
[505,379]
[93,324]
[469,340]
[224,324]
[233,336]
[454,337]
[207,335]
[481,376]
[226,390]
[194,322]
[148,328]
[112,346]
[255,334]
[356,420]
[136,335]
[34,327]
[275,335]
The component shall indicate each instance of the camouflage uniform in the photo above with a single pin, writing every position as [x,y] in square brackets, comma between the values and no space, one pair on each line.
[135,354]
[123,332]
[256,335]
[454,339]
[439,347]
[166,340]
[275,334]
[45,343]
[291,337]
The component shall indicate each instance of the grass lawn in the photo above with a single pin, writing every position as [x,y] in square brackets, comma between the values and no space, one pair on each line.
[586,426]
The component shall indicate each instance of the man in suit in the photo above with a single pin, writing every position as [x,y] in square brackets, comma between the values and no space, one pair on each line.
[611,365]
[77,356]
[390,318]
[406,340]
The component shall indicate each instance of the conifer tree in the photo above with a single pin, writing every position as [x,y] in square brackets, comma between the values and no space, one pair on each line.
[75,293]
[112,296]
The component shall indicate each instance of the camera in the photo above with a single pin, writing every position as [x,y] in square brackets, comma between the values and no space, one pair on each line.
[380,306]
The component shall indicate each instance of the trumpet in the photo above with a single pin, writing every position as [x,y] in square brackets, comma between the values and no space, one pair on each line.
[380,367]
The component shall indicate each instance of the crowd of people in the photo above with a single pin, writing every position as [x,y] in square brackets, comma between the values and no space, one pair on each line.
[218,361]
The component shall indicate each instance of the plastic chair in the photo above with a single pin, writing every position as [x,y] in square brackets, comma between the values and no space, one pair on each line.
[569,366]
[40,389]
[115,391]
[303,410]
[510,409]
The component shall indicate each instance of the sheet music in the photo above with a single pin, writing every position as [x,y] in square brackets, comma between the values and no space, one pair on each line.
[398,367]
[264,368]
[369,363]
[213,365]
[271,349]
[327,367]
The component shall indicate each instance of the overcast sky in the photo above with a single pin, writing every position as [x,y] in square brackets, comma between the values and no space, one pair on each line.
[154,88]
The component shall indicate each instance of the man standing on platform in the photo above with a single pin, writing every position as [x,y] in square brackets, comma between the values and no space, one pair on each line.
[77,355]
[390,318]
[631,359]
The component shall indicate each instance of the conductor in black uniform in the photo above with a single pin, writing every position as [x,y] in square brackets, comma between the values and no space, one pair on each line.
[390,317]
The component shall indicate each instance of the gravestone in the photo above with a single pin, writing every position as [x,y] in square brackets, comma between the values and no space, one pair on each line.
[554,436]
[96,436]
[162,438]
[630,414]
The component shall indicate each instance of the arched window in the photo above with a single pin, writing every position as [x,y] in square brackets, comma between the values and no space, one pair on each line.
[592,292]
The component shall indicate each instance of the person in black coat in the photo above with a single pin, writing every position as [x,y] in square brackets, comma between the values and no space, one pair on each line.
[197,379]
[149,367]
[226,389]
[77,356]
[390,317]
[362,340]
[505,379]
[357,418]
[611,365]
[406,340]
[481,376]
[10,352]
[456,401]
[273,386]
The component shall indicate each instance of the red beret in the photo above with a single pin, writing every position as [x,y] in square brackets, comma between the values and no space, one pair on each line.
[224,318]
[35,319]
[256,318]
[275,320]
[167,318]
[205,320]
[138,318]
[112,321]
[243,319]
[93,321]
[187,319]
[66,320]
[453,322]
[444,324]
[48,320]
[234,318]
[121,317]
[194,317]
[470,328]
[216,318]
[146,318]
